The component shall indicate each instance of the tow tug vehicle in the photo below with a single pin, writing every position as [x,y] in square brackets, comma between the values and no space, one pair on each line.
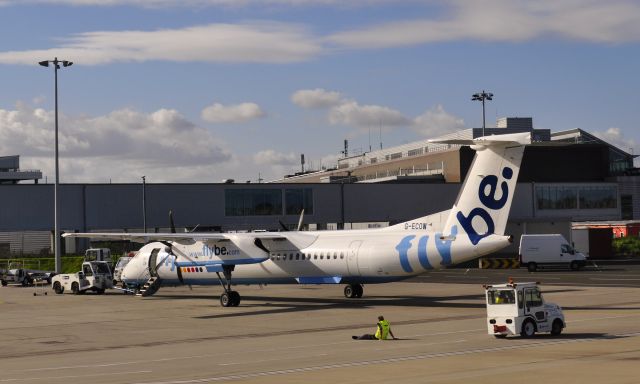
[94,276]
[518,308]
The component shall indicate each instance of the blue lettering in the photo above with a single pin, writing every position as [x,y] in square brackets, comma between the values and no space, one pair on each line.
[403,249]
[489,201]
[422,252]
[170,261]
[444,246]
[467,224]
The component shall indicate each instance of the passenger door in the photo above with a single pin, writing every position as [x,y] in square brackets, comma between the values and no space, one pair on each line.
[352,258]
[153,262]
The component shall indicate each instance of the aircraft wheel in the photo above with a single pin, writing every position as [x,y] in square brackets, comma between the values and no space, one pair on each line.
[358,290]
[4,283]
[75,288]
[225,300]
[235,298]
[556,327]
[528,329]
[349,291]
[532,267]
[58,288]
[575,266]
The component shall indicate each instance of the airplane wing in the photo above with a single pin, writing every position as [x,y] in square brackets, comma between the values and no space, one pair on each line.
[181,238]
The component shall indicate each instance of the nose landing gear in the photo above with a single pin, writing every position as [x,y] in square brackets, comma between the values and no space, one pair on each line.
[229,298]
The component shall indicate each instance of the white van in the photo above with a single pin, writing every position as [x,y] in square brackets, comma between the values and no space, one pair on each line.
[549,250]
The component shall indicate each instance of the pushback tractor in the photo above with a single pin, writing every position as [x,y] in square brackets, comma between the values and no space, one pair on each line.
[518,308]
[95,276]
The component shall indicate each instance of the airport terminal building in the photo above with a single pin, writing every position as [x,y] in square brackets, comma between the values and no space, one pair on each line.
[566,177]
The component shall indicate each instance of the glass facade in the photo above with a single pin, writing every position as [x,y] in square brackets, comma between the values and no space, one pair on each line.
[264,202]
[557,197]
[576,197]
[598,197]
[297,199]
[253,202]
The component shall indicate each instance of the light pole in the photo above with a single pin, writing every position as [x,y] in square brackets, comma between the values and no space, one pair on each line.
[144,204]
[482,96]
[56,232]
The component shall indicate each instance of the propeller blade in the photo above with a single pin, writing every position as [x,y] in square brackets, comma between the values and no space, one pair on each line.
[171,223]
[301,218]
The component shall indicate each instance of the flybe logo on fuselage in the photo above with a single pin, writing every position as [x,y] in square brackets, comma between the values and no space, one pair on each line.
[443,246]
[489,201]
[214,250]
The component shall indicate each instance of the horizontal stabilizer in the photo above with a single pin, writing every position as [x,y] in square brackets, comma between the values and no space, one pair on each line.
[522,138]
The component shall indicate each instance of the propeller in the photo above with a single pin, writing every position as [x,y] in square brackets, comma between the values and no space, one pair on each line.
[298,228]
[171,223]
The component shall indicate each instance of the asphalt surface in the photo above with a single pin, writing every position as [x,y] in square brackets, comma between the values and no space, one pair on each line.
[294,334]
[596,274]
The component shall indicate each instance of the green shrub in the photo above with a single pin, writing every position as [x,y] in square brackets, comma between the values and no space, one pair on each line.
[627,246]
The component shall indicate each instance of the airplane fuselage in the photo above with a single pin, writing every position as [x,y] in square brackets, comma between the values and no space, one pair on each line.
[326,257]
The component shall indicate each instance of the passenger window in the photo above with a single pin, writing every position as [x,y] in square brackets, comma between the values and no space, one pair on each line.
[315,256]
[342,255]
[297,256]
[291,256]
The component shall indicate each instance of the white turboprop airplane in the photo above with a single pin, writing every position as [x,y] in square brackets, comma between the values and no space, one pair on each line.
[473,227]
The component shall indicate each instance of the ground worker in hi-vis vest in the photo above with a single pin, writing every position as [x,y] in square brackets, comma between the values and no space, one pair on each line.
[383,330]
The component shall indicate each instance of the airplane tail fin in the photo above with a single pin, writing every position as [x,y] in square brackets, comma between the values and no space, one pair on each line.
[483,204]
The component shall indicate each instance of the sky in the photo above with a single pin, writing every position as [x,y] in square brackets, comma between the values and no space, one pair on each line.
[197,91]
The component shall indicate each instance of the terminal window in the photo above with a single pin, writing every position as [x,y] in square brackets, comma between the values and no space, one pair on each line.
[298,199]
[587,197]
[598,197]
[253,202]
[557,197]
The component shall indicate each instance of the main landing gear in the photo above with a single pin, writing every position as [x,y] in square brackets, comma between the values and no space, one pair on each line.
[353,291]
[229,298]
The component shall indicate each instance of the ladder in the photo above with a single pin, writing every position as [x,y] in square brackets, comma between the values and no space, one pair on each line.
[150,287]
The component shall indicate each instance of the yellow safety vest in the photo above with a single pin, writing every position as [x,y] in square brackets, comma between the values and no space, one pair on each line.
[384,326]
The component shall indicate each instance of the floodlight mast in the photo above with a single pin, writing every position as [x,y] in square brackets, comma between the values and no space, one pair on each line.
[56,235]
[482,96]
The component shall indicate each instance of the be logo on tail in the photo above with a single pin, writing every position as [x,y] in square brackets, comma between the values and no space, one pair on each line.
[487,195]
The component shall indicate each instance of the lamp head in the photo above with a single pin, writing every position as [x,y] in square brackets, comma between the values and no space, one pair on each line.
[66,63]
[44,63]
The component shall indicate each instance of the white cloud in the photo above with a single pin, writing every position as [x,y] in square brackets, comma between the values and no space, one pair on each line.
[193,3]
[506,20]
[436,121]
[342,111]
[595,21]
[270,157]
[316,98]
[122,145]
[239,113]
[252,42]
[363,116]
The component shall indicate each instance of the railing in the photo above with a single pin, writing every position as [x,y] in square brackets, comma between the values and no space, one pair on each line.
[401,172]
